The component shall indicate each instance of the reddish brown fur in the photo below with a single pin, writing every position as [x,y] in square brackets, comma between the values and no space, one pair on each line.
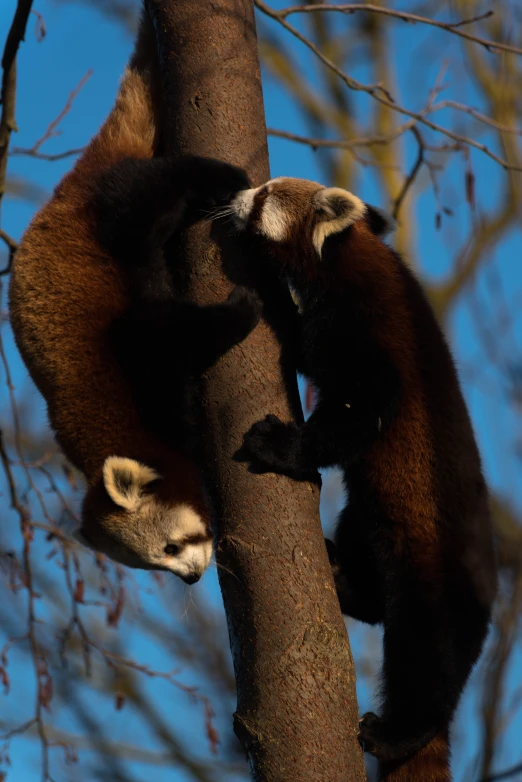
[413,546]
[430,764]
[62,279]
[402,461]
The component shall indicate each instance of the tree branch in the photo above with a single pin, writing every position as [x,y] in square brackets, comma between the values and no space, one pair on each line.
[508,773]
[449,27]
[8,95]
[52,131]
[12,246]
[381,95]
[410,179]
[293,667]
[325,144]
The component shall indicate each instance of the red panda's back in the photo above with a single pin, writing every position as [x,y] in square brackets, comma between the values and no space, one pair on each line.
[66,291]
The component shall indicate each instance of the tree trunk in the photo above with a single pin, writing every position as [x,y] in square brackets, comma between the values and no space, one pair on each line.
[297,712]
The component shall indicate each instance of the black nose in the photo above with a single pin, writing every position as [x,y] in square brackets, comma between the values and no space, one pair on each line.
[191,578]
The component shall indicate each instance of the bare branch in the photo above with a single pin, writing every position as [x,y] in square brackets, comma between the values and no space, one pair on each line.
[451,104]
[353,84]
[506,774]
[408,182]
[450,27]
[13,247]
[43,156]
[363,141]
[380,94]
[52,132]
[40,27]
[8,95]
[325,144]
[507,637]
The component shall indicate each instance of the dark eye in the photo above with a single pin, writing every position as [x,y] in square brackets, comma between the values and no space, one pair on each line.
[263,192]
[171,549]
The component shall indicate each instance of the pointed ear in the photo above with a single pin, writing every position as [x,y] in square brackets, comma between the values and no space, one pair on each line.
[379,222]
[336,209]
[125,481]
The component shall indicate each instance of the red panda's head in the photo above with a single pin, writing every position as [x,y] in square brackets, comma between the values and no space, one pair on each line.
[127,517]
[295,217]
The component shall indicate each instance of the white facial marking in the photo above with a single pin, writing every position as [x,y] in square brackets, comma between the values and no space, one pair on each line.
[193,558]
[185,521]
[275,222]
[335,222]
[242,205]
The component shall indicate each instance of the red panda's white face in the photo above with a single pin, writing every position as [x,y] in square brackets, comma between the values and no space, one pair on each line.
[296,216]
[126,520]
[285,207]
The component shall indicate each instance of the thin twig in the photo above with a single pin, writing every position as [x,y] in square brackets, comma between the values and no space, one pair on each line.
[40,28]
[408,182]
[507,627]
[322,143]
[363,141]
[452,104]
[381,95]
[353,84]
[450,27]
[506,774]
[43,156]
[13,247]
[52,132]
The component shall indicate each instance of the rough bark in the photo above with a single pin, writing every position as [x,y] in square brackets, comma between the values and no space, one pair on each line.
[297,712]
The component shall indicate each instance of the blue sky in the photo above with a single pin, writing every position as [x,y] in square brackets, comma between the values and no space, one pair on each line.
[79,39]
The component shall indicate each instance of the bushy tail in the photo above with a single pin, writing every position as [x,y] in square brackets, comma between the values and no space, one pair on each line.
[130,130]
[430,764]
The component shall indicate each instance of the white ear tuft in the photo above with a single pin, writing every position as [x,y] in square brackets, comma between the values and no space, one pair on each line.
[336,210]
[125,479]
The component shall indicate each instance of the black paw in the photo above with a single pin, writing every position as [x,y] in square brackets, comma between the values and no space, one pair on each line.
[273,446]
[386,741]
[247,307]
[214,182]
[370,737]
[267,440]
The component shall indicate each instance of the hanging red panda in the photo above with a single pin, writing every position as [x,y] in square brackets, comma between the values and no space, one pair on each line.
[108,343]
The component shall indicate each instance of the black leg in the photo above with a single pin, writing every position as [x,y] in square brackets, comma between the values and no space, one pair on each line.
[182,336]
[357,581]
[333,435]
[204,333]
[144,343]
[417,687]
[432,637]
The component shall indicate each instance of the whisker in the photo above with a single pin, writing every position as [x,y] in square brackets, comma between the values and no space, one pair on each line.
[219,211]
[222,567]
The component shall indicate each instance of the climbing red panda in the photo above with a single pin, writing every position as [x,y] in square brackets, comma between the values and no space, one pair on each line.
[414,544]
[108,343]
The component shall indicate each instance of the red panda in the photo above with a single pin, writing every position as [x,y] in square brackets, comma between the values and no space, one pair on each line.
[413,546]
[107,342]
